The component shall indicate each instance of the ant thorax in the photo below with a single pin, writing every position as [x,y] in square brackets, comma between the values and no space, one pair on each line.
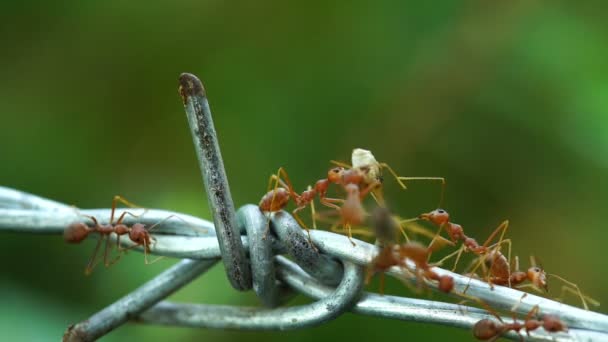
[365,161]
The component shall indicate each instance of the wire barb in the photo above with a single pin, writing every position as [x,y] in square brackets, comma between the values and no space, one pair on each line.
[209,156]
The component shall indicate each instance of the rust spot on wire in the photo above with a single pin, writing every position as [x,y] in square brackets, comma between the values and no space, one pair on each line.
[190,85]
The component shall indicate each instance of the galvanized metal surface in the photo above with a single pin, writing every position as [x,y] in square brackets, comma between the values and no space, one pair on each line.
[207,150]
[192,237]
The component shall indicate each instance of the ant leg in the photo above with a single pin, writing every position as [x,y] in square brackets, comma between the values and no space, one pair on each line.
[146,249]
[124,201]
[577,292]
[201,230]
[329,202]
[516,305]
[529,286]
[303,225]
[92,218]
[501,228]
[350,235]
[124,213]
[342,164]
[362,231]
[92,262]
[433,241]
[457,253]
[486,272]
[106,251]
[336,228]
[378,196]
[390,169]
[407,283]
[312,211]
[573,288]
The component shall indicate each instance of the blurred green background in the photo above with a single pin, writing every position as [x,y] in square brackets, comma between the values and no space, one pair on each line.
[508,101]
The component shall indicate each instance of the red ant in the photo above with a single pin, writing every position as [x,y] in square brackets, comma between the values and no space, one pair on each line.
[393,254]
[441,218]
[79,231]
[500,274]
[352,212]
[277,198]
[487,329]
[397,255]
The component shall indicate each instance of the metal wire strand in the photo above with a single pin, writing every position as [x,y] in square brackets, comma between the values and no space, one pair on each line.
[209,156]
[252,222]
[248,318]
[417,310]
[177,237]
[137,301]
[323,267]
[15,199]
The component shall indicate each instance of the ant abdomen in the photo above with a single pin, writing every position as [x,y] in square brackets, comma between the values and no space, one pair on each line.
[274,200]
[486,329]
[554,324]
[76,232]
[446,283]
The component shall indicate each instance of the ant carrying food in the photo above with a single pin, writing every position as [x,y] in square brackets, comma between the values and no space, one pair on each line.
[138,234]
[490,330]
[364,162]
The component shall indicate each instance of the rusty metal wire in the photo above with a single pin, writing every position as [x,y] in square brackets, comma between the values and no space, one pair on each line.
[331,273]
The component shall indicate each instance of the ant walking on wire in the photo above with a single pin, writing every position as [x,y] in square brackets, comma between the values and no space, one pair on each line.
[441,219]
[392,254]
[137,233]
[499,273]
[490,330]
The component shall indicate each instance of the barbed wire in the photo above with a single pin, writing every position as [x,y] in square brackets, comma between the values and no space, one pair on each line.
[331,273]
[194,239]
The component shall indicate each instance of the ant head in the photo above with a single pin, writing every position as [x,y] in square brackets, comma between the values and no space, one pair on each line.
[538,277]
[553,324]
[335,174]
[437,216]
[76,232]
[486,329]
[138,233]
[446,283]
